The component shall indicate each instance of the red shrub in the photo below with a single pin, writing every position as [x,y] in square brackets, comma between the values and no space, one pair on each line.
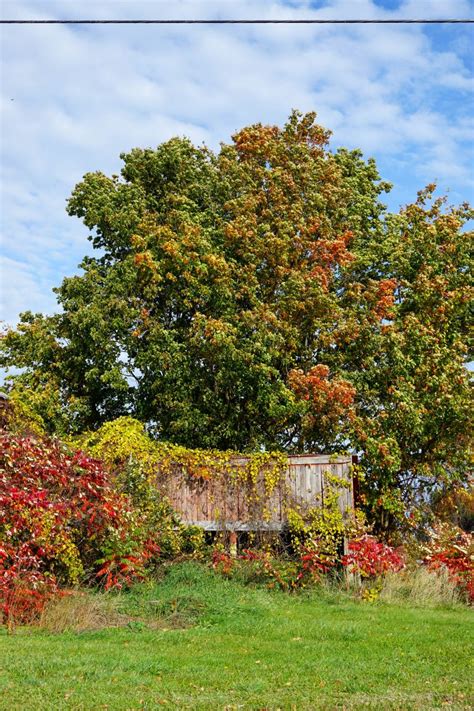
[314,564]
[24,587]
[453,549]
[223,562]
[61,522]
[371,558]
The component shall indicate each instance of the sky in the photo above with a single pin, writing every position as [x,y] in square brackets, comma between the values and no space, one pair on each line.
[74,97]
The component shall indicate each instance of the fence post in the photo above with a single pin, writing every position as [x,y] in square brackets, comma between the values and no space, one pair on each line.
[233,544]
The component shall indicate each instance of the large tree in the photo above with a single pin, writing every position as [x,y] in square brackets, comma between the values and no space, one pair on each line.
[262,296]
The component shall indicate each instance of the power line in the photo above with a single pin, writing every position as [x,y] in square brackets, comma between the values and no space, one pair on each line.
[239,22]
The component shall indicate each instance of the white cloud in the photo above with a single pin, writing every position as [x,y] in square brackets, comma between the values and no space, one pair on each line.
[21,278]
[73,98]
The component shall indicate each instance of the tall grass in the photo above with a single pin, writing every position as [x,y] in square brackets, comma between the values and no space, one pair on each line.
[190,594]
[82,612]
[420,587]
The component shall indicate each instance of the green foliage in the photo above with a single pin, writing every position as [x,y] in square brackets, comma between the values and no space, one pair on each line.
[413,421]
[38,389]
[21,412]
[217,278]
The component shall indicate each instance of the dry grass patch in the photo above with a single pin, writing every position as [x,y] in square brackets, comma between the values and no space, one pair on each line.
[82,612]
[420,588]
[85,612]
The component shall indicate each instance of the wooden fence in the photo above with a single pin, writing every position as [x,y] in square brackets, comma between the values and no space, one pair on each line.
[223,503]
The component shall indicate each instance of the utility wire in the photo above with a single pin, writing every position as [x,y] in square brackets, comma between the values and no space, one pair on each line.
[239,22]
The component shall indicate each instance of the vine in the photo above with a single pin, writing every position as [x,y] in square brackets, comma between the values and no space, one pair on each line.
[259,480]
[321,528]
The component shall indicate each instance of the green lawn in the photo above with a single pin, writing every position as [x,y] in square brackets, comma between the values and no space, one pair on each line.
[247,649]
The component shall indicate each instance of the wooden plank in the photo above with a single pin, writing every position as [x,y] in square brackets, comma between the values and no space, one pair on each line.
[296,482]
[317,459]
[224,525]
[316,471]
[302,484]
[342,492]
[315,484]
[306,479]
[322,478]
[293,480]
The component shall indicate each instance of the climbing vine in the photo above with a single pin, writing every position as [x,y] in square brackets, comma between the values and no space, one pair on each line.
[322,528]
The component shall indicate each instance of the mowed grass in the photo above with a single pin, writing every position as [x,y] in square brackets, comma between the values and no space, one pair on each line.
[244,648]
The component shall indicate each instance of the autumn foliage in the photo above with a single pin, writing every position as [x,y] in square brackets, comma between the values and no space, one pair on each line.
[329,400]
[61,524]
[371,558]
[453,549]
[307,568]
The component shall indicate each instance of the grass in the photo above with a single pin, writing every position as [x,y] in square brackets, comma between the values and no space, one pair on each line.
[420,587]
[197,641]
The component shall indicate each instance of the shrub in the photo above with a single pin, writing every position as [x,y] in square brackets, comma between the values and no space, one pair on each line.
[314,563]
[223,562]
[24,587]
[275,572]
[61,523]
[370,558]
[452,549]
[284,573]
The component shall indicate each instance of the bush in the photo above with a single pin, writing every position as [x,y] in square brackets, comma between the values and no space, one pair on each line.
[370,558]
[367,557]
[61,523]
[24,587]
[261,567]
[452,549]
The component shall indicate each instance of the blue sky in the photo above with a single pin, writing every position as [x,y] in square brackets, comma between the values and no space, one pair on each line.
[73,98]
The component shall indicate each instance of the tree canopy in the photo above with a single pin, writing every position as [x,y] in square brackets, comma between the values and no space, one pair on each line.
[262,296]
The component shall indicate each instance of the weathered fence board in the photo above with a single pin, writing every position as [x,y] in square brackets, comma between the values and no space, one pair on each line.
[221,503]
